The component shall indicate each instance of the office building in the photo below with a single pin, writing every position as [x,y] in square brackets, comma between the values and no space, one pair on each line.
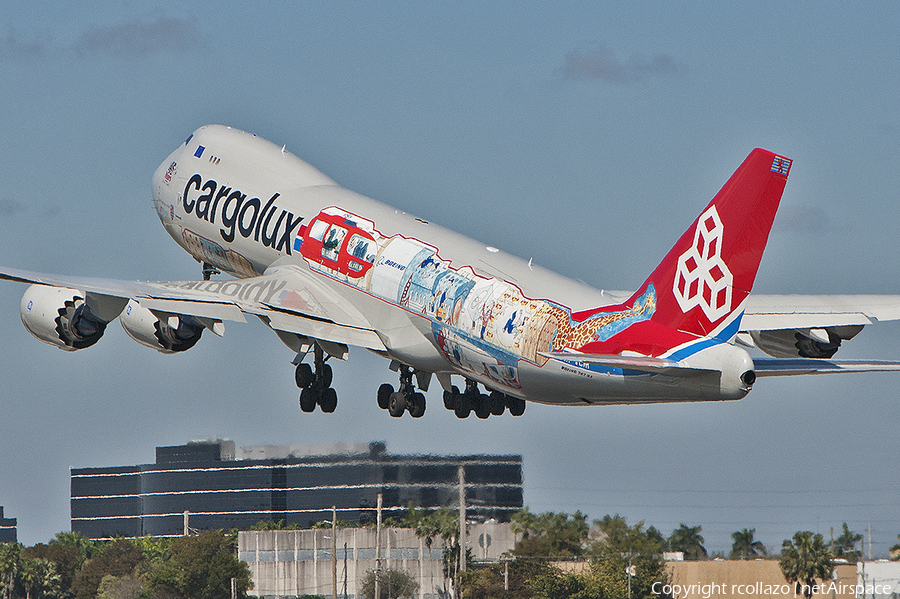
[223,487]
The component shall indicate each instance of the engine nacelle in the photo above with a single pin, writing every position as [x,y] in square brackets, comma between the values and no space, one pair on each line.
[61,317]
[803,343]
[170,334]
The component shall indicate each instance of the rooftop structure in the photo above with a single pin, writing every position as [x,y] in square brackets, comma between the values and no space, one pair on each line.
[7,528]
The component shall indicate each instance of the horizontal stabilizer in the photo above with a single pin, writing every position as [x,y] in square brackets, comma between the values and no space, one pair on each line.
[640,363]
[778,367]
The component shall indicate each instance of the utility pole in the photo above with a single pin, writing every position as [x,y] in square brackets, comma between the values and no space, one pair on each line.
[462,531]
[345,570]
[334,552]
[462,519]
[378,549]
[870,541]
[187,517]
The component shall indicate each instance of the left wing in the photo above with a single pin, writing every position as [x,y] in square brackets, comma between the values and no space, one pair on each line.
[782,367]
[284,298]
[810,326]
[769,312]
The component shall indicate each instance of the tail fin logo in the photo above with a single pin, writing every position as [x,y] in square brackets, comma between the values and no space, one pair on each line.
[703,278]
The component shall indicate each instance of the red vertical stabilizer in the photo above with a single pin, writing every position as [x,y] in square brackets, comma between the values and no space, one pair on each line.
[710,270]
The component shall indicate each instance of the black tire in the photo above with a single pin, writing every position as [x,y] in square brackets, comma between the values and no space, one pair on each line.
[328,401]
[308,400]
[451,398]
[326,376]
[463,407]
[498,403]
[482,406]
[516,406]
[397,405]
[384,395]
[304,376]
[417,405]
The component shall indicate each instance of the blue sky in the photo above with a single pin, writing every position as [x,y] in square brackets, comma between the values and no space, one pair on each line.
[586,136]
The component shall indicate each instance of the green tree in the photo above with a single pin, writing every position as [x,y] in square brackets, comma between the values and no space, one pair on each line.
[40,579]
[618,537]
[845,545]
[488,583]
[394,584]
[744,546]
[124,587]
[550,534]
[689,540]
[804,560]
[278,525]
[10,564]
[622,546]
[67,561]
[557,584]
[201,567]
[119,558]
[895,550]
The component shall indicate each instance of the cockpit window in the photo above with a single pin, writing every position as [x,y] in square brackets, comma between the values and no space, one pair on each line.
[331,247]
[190,137]
[317,230]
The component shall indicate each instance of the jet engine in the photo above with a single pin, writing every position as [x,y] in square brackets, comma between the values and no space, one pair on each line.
[164,332]
[64,317]
[803,343]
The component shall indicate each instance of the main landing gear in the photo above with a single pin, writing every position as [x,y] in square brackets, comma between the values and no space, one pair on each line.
[406,399]
[463,404]
[316,386]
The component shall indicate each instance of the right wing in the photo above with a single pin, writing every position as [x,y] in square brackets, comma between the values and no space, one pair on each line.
[286,299]
[788,367]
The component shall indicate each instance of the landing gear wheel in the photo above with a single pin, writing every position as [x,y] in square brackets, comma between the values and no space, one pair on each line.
[328,400]
[304,376]
[451,398]
[463,407]
[397,404]
[308,399]
[384,395]
[315,384]
[516,406]
[325,375]
[482,406]
[417,405]
[498,403]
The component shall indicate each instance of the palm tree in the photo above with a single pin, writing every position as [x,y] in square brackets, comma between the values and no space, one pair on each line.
[688,540]
[39,574]
[845,545]
[744,546]
[804,560]
[10,564]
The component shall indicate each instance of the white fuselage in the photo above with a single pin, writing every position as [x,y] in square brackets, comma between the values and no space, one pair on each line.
[440,302]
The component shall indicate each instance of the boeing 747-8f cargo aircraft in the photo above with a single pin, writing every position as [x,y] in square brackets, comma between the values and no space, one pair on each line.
[326,268]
